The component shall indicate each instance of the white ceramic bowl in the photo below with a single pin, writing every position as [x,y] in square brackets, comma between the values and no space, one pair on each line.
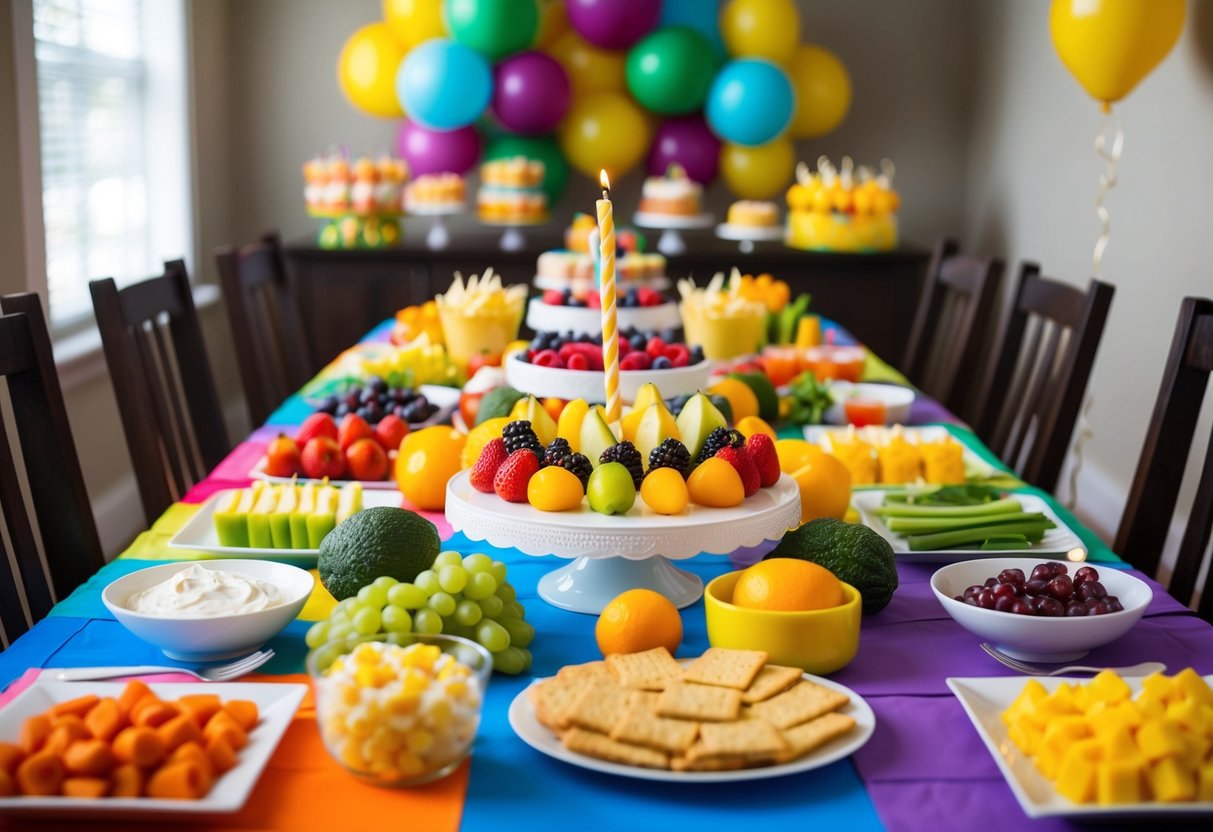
[896,399]
[1033,638]
[214,637]
[544,317]
[590,385]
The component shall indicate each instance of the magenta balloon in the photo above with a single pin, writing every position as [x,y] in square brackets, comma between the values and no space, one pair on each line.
[437,151]
[614,24]
[689,142]
[531,93]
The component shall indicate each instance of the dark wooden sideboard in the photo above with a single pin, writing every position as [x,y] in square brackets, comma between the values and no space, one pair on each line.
[344,293]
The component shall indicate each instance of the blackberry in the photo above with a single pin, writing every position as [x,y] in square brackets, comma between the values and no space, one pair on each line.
[626,454]
[717,439]
[579,465]
[556,452]
[671,454]
[519,436]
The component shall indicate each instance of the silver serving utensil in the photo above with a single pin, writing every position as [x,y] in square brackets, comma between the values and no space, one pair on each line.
[216,673]
[1143,669]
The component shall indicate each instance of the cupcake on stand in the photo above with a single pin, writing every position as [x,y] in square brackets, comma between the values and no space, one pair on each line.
[750,221]
[672,203]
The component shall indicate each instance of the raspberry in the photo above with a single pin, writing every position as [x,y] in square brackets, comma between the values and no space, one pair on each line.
[655,347]
[553,297]
[577,362]
[636,361]
[678,354]
[548,358]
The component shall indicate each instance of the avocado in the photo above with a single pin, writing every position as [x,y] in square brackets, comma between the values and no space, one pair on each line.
[375,542]
[854,553]
[764,391]
[497,403]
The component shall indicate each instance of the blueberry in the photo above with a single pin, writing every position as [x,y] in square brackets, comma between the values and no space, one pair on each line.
[362,411]
[377,384]
[340,410]
[696,354]
[661,363]
[575,304]
[669,335]
[638,342]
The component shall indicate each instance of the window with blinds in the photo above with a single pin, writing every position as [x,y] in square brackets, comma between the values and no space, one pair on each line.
[98,72]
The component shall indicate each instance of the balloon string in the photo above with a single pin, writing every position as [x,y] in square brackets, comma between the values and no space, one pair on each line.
[1107,180]
[1085,434]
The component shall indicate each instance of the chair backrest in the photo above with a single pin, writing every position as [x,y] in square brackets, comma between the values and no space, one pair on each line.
[1039,373]
[65,525]
[275,358]
[951,323]
[1164,456]
[162,379]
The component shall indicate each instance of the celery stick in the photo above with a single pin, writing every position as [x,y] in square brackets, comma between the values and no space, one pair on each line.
[1006,541]
[926,525]
[1005,505]
[979,534]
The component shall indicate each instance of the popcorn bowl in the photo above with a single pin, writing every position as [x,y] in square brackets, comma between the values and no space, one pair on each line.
[399,709]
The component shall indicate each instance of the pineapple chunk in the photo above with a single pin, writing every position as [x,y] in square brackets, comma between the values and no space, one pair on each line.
[1171,780]
[1159,686]
[1204,791]
[1119,781]
[1060,702]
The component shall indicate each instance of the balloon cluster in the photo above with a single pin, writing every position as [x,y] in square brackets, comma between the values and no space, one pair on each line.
[719,90]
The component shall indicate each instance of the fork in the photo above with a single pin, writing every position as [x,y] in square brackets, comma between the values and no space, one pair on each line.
[1143,669]
[216,673]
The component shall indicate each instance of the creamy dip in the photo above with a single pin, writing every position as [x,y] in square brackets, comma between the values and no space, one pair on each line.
[196,592]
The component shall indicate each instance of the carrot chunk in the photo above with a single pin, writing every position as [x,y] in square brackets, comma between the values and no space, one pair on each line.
[89,758]
[179,730]
[244,712]
[105,720]
[127,780]
[10,757]
[8,787]
[185,780]
[86,786]
[141,746]
[201,706]
[155,714]
[134,693]
[34,732]
[193,751]
[67,731]
[40,774]
[79,706]
[222,724]
[223,757]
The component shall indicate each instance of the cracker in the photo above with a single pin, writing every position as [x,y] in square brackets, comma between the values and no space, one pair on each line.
[640,726]
[726,668]
[799,704]
[592,671]
[813,734]
[699,702]
[646,699]
[598,708]
[685,763]
[604,748]
[650,670]
[750,738]
[552,700]
[771,680]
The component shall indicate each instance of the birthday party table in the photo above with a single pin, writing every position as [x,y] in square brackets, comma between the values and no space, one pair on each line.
[924,768]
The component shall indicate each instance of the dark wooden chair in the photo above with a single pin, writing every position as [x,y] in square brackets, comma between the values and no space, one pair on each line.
[1155,490]
[1038,376]
[64,526]
[275,357]
[951,323]
[162,379]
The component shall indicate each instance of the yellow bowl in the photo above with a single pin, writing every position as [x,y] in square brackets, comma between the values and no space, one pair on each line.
[818,641]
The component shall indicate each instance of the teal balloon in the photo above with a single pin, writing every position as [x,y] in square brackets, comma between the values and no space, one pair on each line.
[702,15]
[751,102]
[543,148]
[494,28]
[671,71]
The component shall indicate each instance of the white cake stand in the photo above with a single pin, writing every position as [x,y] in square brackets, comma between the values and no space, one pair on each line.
[513,237]
[614,553]
[671,241]
[747,235]
[438,237]
[544,317]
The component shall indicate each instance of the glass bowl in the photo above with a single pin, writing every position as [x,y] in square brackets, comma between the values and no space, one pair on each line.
[399,709]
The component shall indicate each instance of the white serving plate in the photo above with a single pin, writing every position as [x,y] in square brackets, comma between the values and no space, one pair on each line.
[527,727]
[258,473]
[896,400]
[976,468]
[276,704]
[985,698]
[199,533]
[446,399]
[646,219]
[756,233]
[544,317]
[1056,541]
[591,385]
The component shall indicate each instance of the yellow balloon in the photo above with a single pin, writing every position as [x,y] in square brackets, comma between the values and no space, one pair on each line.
[414,21]
[758,172]
[604,130]
[1110,45]
[553,22]
[589,68]
[366,70]
[823,91]
[761,28]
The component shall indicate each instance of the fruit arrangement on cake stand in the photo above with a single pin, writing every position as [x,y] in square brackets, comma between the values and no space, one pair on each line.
[436,195]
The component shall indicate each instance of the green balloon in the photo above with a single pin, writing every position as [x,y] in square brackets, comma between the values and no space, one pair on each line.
[543,148]
[494,28]
[671,71]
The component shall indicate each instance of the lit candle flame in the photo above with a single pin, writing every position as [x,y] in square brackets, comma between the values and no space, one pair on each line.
[606,184]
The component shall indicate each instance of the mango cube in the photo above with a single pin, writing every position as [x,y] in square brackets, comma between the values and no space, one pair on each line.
[1193,687]
[1159,687]
[1119,781]
[1197,749]
[1186,713]
[1158,738]
[1204,789]
[1064,730]
[1076,778]
[1109,687]
[1117,743]
[1172,781]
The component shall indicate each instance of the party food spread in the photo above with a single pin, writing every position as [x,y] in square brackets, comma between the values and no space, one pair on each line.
[199,592]
[511,191]
[673,194]
[845,209]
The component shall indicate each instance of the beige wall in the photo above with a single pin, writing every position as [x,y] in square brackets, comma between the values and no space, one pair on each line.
[1031,186]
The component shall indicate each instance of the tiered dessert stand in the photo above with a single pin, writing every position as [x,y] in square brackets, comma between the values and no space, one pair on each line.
[747,235]
[439,236]
[671,242]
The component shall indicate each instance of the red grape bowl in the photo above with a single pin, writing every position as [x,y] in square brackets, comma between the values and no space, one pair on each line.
[1057,612]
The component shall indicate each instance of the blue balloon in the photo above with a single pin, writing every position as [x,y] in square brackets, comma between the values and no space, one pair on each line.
[701,15]
[751,102]
[444,85]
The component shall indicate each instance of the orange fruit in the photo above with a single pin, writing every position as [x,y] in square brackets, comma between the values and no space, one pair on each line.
[796,453]
[638,620]
[427,459]
[825,487]
[750,425]
[787,585]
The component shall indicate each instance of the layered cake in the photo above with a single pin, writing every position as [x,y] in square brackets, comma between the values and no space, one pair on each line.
[511,192]
[672,195]
[434,193]
[843,209]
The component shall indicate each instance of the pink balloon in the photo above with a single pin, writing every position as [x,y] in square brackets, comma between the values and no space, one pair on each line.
[437,151]
[689,142]
[614,24]
[530,93]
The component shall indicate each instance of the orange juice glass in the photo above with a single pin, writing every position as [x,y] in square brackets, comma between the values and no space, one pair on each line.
[835,362]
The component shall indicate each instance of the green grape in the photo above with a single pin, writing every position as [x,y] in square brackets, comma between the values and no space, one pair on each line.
[384,582]
[442,603]
[367,621]
[427,582]
[340,631]
[428,622]
[509,661]
[506,592]
[468,613]
[526,657]
[492,636]
[407,596]
[347,607]
[451,627]
[397,620]
[491,606]
[477,563]
[447,559]
[372,596]
[480,585]
[452,579]
[497,570]
[521,633]
[509,609]
[326,655]
[317,634]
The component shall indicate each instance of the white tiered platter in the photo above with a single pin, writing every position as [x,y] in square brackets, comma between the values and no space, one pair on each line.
[546,317]
[590,384]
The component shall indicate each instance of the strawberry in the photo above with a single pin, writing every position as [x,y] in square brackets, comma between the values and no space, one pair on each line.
[593,300]
[553,297]
[511,479]
[740,460]
[318,424]
[761,449]
[649,297]
[391,430]
[282,457]
[490,459]
[322,458]
[366,460]
[353,427]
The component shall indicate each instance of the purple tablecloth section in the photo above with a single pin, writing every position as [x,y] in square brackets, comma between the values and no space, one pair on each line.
[925,411]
